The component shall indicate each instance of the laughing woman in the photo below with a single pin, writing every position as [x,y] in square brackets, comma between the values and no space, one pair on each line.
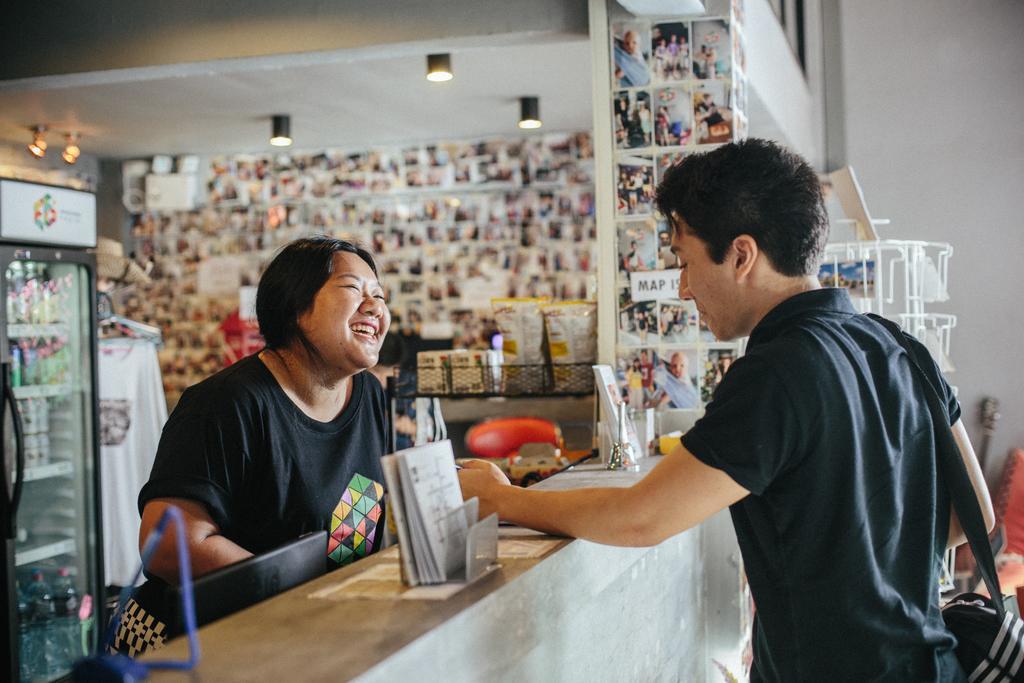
[280,442]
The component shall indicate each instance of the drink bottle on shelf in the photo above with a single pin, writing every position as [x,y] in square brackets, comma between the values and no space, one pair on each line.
[65,597]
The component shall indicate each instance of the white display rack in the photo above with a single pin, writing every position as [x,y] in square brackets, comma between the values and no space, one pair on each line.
[898,279]
[907,274]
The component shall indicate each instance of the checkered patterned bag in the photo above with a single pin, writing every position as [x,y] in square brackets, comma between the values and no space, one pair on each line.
[147,621]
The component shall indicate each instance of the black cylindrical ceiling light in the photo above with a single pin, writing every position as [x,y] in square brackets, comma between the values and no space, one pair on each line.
[529,112]
[282,131]
[439,67]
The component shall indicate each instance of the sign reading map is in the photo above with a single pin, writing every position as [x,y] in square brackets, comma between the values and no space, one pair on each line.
[654,285]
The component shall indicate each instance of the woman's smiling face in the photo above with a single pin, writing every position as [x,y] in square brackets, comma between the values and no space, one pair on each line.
[349,317]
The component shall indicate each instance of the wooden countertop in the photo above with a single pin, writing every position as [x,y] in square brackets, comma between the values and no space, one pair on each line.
[294,636]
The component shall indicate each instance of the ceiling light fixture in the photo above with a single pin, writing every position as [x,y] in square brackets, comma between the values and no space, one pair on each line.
[282,131]
[529,112]
[37,147]
[71,150]
[439,68]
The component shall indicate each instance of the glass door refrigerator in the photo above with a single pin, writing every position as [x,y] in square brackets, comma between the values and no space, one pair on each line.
[49,508]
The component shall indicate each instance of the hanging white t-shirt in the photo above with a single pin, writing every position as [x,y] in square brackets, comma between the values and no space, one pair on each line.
[133,411]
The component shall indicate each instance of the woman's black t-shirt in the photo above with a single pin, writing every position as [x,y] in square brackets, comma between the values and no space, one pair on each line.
[268,473]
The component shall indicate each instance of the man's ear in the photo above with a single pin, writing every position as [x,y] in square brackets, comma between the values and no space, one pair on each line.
[744,255]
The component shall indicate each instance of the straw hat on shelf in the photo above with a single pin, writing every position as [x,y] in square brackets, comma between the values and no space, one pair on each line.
[112,264]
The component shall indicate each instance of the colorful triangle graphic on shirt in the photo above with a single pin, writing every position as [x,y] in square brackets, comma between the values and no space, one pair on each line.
[361,528]
[355,496]
[335,521]
[361,549]
[357,538]
[365,504]
[336,553]
[359,482]
[332,543]
[373,490]
[342,509]
[374,514]
[347,496]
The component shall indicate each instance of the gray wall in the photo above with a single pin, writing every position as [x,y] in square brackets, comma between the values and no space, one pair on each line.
[933,103]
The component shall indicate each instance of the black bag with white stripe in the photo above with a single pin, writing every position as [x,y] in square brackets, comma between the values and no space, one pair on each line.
[990,640]
[990,648]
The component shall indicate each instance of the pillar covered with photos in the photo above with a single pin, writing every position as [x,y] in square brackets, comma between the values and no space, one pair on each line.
[678,88]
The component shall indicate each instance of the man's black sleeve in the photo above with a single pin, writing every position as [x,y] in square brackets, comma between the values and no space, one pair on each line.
[750,429]
[931,368]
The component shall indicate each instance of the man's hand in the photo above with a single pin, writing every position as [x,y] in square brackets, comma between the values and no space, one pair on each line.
[482,480]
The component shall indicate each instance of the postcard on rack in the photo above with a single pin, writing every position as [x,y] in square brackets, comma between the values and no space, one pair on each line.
[611,399]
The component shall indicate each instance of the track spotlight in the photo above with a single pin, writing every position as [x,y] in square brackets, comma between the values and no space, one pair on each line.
[282,131]
[71,150]
[37,147]
[529,112]
[439,67]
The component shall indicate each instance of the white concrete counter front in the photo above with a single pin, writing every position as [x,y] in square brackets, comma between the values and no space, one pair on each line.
[577,612]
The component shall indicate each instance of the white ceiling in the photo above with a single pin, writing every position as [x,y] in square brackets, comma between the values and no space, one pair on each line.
[332,104]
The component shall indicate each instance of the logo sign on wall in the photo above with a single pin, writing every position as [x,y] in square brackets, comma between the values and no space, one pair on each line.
[43,214]
[654,285]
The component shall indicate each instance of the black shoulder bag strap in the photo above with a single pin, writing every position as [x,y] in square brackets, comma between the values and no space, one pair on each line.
[954,473]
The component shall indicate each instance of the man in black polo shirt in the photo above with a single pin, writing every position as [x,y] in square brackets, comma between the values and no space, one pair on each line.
[819,440]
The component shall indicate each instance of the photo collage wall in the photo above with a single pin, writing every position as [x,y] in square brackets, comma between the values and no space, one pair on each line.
[678,88]
[451,225]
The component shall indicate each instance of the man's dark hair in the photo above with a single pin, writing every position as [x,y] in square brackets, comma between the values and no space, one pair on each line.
[754,187]
[290,283]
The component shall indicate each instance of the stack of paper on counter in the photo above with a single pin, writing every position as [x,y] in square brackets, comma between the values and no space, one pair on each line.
[424,492]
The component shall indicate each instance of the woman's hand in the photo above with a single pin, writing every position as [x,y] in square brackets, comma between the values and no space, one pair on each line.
[484,481]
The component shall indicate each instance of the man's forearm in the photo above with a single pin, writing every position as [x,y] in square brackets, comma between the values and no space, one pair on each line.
[603,515]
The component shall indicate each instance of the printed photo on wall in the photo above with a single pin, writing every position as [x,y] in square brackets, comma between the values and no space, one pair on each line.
[712,53]
[667,159]
[706,335]
[742,126]
[631,51]
[673,118]
[712,112]
[666,259]
[739,53]
[739,101]
[675,376]
[635,372]
[638,246]
[670,52]
[738,11]
[632,119]
[635,186]
[678,322]
[638,321]
[857,276]
[716,363]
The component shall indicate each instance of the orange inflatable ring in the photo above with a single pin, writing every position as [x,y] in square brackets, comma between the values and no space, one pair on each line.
[502,437]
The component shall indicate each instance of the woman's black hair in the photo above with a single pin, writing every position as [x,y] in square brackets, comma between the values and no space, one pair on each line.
[290,283]
[756,188]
